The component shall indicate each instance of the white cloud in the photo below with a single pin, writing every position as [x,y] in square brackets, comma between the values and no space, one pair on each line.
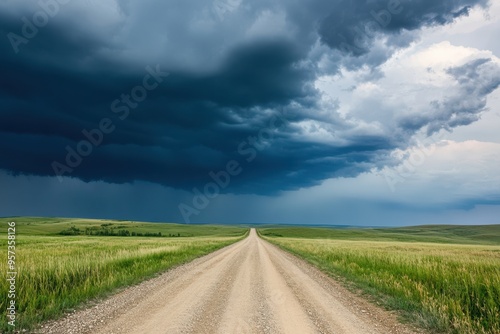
[416,86]
[446,171]
[478,30]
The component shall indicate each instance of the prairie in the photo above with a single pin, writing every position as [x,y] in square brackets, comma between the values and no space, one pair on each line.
[57,273]
[443,278]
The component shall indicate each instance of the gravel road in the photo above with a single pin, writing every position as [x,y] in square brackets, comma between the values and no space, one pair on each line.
[248,287]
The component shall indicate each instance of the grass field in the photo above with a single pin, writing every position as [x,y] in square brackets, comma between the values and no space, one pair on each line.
[444,278]
[481,234]
[57,273]
[53,226]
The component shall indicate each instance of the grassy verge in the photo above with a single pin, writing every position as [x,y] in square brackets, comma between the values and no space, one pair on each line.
[443,287]
[58,273]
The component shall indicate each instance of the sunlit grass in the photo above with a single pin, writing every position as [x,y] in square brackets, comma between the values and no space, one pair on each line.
[58,273]
[443,287]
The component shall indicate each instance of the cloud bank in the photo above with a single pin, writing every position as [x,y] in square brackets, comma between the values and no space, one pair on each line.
[233,81]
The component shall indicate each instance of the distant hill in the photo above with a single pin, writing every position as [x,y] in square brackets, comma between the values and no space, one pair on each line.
[468,234]
[55,226]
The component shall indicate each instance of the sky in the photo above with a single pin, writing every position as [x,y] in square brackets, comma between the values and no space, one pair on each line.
[367,112]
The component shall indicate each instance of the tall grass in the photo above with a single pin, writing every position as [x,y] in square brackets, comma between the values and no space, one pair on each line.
[443,287]
[59,273]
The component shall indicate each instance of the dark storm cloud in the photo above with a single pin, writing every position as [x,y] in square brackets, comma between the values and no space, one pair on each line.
[66,79]
[353,26]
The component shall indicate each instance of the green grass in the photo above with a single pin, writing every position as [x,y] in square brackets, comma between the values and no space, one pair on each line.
[480,234]
[449,284]
[52,226]
[58,273]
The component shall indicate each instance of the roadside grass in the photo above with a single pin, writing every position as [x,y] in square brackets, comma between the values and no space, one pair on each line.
[59,273]
[451,287]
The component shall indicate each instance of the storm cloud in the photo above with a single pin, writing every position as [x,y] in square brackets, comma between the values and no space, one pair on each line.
[229,81]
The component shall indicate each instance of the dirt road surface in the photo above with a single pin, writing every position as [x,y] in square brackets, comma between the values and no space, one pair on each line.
[248,287]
